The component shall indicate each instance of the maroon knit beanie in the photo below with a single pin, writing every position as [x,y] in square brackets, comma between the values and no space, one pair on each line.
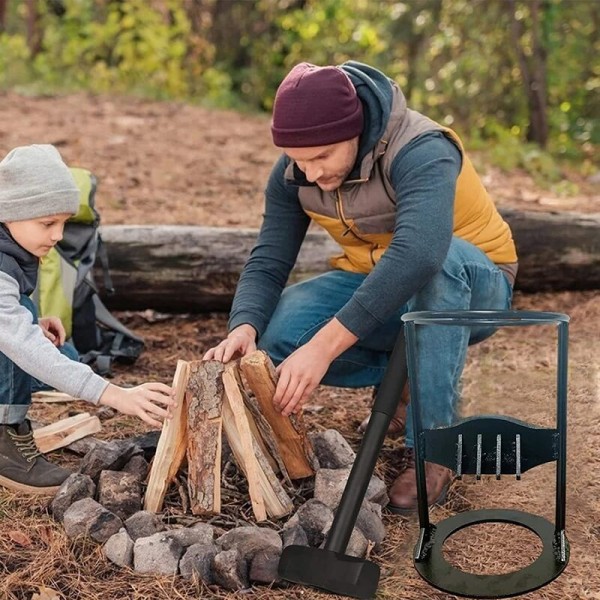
[315,106]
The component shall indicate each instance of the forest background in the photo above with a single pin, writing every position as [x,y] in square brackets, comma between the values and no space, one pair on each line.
[516,78]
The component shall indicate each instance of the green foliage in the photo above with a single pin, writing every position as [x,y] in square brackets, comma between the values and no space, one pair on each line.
[458,61]
[128,46]
[14,61]
[505,149]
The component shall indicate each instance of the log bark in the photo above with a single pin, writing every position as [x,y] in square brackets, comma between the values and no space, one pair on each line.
[205,423]
[557,251]
[203,265]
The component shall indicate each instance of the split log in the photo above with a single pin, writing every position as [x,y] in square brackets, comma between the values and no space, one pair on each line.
[290,433]
[171,447]
[266,492]
[240,438]
[64,432]
[557,251]
[50,396]
[205,422]
[262,431]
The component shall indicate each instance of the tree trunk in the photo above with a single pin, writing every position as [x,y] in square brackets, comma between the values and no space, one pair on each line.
[196,269]
[533,72]
[3,15]
[190,269]
[34,32]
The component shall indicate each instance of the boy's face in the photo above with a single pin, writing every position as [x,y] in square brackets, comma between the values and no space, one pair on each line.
[38,236]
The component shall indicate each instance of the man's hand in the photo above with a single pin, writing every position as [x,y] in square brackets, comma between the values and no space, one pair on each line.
[299,374]
[240,341]
[53,329]
[302,371]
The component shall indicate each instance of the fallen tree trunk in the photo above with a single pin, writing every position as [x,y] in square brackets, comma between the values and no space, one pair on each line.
[195,269]
[557,251]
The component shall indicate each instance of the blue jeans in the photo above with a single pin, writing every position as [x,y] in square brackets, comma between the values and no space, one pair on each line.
[468,281]
[16,386]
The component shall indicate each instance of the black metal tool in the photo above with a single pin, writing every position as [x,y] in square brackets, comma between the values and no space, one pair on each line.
[329,568]
[492,445]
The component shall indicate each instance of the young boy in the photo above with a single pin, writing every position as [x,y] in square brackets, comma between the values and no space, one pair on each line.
[37,196]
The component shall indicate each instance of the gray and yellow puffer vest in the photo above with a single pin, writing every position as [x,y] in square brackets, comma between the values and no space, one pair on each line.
[362,216]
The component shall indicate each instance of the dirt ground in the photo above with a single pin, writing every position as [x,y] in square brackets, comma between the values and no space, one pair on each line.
[174,163]
[181,164]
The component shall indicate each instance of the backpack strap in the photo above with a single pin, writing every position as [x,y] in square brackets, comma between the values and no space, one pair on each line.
[101,363]
[103,256]
[104,316]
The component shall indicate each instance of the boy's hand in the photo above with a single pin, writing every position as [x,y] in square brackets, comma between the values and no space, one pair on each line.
[142,401]
[53,329]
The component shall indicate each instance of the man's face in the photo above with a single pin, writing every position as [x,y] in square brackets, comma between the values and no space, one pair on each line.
[327,166]
[38,236]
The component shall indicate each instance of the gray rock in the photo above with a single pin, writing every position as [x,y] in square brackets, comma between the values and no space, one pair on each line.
[84,445]
[330,484]
[110,456]
[332,450]
[315,519]
[144,524]
[157,554]
[250,540]
[294,535]
[119,549]
[87,517]
[75,487]
[120,492]
[369,521]
[357,544]
[263,568]
[139,466]
[199,560]
[147,442]
[201,533]
[230,570]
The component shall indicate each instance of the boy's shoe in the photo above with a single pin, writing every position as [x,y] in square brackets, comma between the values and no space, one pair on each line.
[22,466]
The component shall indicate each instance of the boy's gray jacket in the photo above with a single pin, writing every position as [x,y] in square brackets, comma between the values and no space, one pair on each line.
[23,342]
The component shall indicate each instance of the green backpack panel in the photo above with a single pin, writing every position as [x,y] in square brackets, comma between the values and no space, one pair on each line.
[66,287]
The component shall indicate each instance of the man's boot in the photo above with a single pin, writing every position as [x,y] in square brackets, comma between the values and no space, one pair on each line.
[398,423]
[22,466]
[403,492]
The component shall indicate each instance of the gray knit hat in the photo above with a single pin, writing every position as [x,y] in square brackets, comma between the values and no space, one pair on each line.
[35,182]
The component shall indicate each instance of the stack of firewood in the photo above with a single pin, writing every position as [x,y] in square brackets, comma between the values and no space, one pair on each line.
[235,401]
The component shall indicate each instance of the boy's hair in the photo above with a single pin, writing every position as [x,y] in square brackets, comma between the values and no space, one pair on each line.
[34,183]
